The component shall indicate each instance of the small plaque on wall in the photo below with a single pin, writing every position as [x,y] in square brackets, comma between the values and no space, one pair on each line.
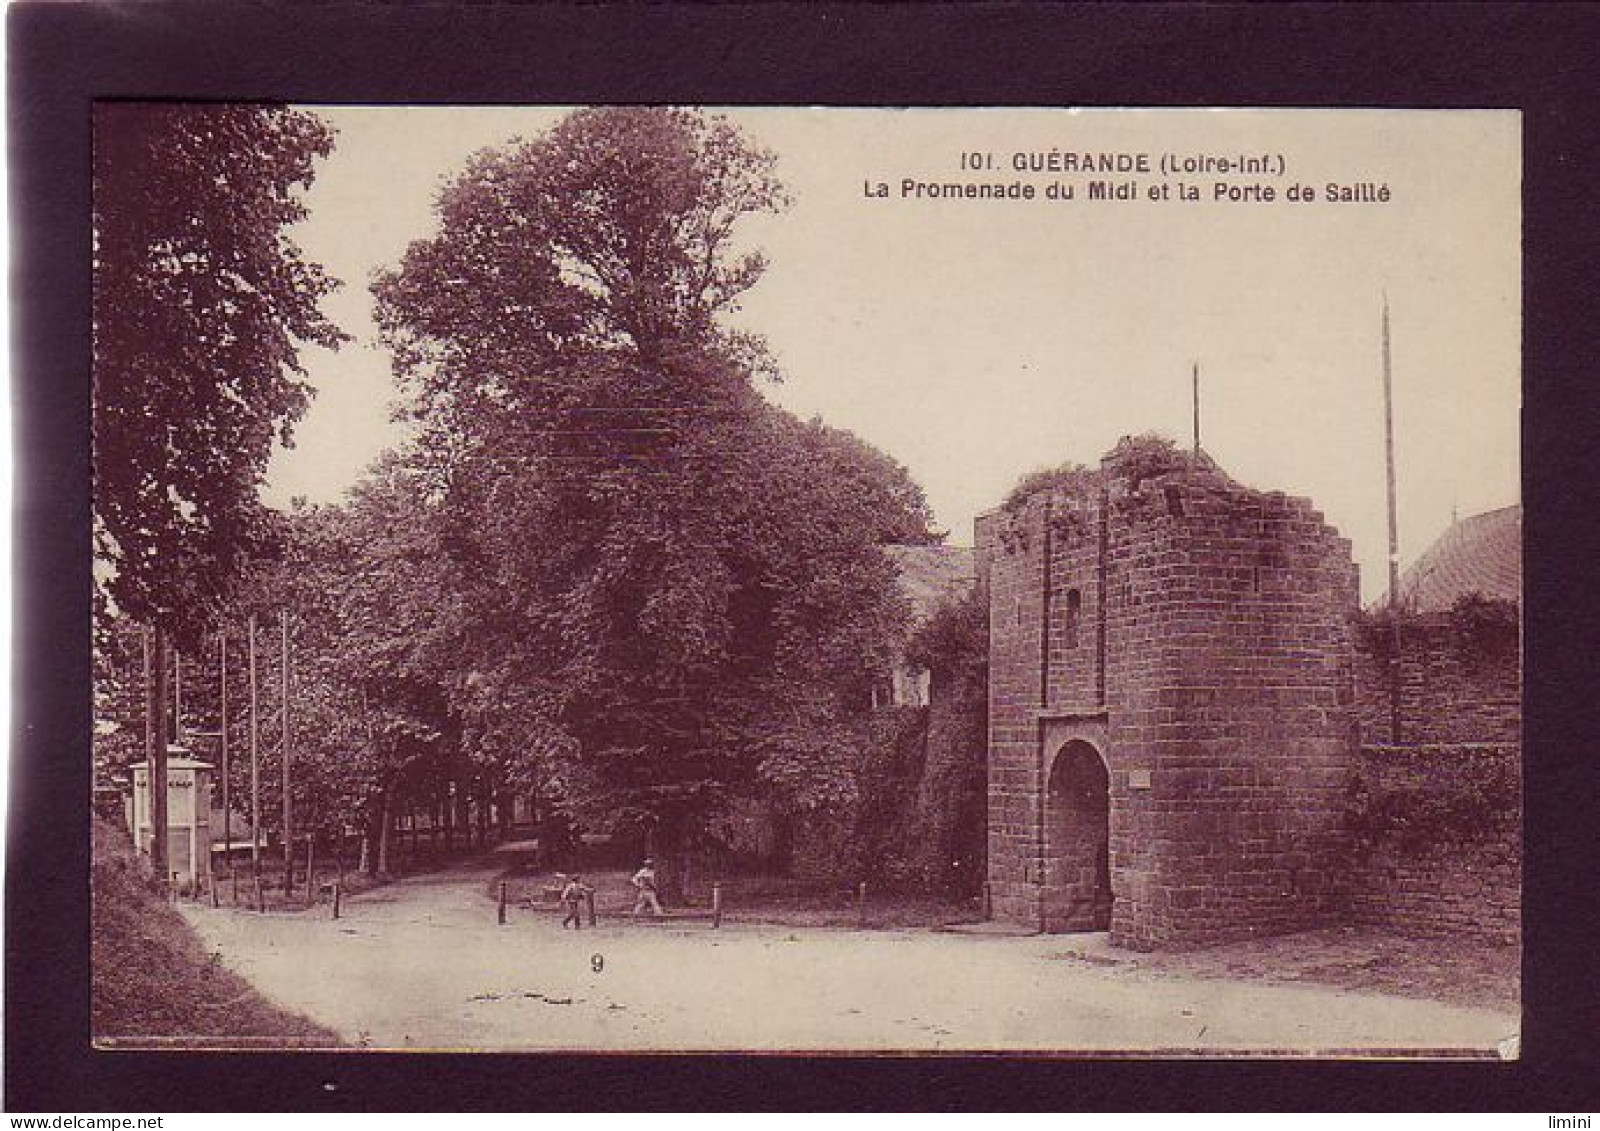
[1138,779]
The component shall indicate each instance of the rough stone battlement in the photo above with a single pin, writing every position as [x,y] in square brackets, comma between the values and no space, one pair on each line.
[1171,704]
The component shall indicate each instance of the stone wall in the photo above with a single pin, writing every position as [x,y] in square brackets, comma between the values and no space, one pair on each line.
[1196,633]
[1437,803]
[1449,690]
[1437,846]
[1010,570]
[950,800]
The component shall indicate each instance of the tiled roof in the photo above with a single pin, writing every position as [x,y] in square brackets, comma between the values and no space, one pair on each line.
[1481,554]
[929,574]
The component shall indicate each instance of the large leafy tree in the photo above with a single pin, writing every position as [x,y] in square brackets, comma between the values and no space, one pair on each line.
[675,591]
[201,305]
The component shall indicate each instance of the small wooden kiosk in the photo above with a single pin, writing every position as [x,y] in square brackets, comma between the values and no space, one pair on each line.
[188,815]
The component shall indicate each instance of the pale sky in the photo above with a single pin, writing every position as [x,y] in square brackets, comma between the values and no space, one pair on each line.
[976,340]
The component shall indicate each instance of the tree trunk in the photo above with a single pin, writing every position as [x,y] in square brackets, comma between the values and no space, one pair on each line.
[157,705]
[667,848]
[781,859]
[463,814]
[385,820]
[555,838]
[482,801]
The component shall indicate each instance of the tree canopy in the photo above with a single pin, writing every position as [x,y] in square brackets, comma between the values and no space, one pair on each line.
[606,571]
[202,302]
[675,591]
[375,612]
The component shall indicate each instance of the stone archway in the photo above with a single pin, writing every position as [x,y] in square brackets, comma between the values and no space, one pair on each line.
[1077,841]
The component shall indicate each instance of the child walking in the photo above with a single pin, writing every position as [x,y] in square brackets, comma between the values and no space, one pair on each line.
[572,897]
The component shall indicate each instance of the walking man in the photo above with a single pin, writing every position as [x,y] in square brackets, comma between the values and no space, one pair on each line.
[644,882]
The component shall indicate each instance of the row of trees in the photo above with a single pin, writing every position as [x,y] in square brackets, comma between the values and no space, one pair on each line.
[201,306]
[607,571]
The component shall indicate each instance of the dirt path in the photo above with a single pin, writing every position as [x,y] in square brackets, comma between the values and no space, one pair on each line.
[423,964]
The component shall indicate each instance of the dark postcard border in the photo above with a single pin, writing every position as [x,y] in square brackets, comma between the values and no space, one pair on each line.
[1534,57]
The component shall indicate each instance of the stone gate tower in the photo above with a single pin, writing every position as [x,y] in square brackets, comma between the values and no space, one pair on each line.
[1171,726]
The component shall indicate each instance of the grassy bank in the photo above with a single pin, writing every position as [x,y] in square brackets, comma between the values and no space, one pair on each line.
[154,983]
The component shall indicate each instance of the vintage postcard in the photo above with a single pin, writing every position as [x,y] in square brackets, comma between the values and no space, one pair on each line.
[632,578]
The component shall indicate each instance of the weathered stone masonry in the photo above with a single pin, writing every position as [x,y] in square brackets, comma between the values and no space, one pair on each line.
[1447,695]
[1171,708]
[1458,876]
[1457,727]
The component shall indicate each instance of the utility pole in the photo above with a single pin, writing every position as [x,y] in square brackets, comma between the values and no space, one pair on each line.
[177,696]
[288,838]
[1388,442]
[1196,390]
[149,690]
[1394,536]
[158,759]
[222,729]
[255,755]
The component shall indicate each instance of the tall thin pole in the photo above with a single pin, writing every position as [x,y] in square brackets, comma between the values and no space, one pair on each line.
[227,773]
[177,696]
[158,763]
[149,690]
[149,730]
[255,754]
[288,838]
[1388,442]
[1395,735]
[1196,390]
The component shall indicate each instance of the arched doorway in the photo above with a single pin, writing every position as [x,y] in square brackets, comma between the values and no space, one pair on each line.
[1077,841]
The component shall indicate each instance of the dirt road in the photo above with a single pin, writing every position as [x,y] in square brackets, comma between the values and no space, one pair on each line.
[423,964]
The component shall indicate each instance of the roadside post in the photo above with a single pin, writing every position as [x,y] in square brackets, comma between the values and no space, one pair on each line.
[502,903]
[311,869]
[861,904]
[716,905]
[588,898]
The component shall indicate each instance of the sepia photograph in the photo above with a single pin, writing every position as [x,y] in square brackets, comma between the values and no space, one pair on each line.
[781,580]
